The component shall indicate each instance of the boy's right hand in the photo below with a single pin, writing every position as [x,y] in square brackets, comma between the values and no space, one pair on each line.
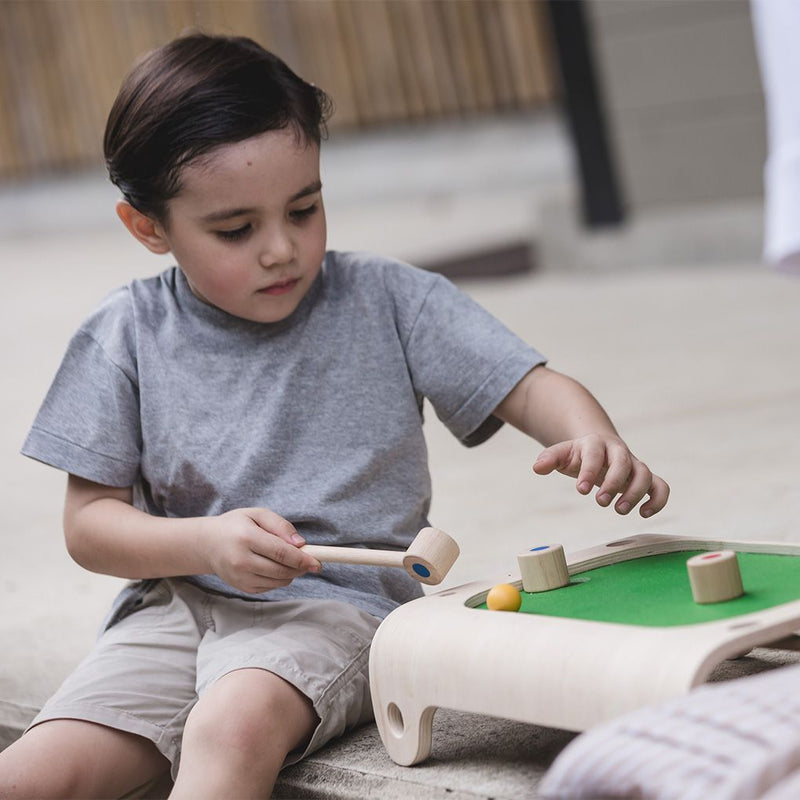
[254,550]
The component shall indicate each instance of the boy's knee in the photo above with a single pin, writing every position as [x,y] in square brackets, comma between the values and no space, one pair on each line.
[248,712]
[216,728]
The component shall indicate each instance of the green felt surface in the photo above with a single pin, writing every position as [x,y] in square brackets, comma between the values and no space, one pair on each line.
[654,591]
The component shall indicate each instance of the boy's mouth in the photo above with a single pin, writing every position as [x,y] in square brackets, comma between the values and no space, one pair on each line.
[284,287]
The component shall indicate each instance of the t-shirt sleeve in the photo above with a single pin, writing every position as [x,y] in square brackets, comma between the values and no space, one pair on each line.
[464,360]
[89,423]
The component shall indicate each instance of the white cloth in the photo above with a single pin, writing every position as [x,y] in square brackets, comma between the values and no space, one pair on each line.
[777,32]
[727,741]
[786,789]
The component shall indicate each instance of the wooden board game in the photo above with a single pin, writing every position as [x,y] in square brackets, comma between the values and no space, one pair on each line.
[623,633]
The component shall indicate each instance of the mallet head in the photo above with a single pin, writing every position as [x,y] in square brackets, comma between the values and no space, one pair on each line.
[430,556]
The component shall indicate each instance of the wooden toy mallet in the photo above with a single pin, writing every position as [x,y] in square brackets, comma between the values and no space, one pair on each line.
[427,560]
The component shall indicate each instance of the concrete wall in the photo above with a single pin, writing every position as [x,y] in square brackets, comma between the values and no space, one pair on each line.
[684,101]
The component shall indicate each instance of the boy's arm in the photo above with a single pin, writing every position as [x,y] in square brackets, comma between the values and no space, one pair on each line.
[252,549]
[580,441]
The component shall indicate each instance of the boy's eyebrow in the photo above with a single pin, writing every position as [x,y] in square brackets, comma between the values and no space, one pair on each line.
[312,188]
[229,213]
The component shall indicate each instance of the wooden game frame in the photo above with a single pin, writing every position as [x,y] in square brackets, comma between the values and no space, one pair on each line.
[437,652]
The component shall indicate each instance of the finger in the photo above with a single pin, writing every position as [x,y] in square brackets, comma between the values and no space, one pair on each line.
[557,457]
[618,475]
[274,548]
[659,494]
[641,479]
[268,569]
[592,466]
[270,573]
[276,524]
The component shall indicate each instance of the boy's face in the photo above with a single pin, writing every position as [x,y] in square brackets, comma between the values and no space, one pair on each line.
[248,227]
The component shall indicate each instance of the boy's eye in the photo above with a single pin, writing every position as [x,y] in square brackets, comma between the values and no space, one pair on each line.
[235,233]
[299,214]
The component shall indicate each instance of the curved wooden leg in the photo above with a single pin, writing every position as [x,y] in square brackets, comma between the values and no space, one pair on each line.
[406,732]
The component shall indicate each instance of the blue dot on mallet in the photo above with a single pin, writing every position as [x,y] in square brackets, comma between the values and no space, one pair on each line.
[421,570]
[540,547]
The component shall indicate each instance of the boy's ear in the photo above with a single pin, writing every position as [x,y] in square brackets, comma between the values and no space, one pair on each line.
[149,232]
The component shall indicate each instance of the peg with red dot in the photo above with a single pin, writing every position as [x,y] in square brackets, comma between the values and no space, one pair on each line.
[715,577]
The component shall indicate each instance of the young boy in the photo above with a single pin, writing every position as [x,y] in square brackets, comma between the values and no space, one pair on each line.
[261,394]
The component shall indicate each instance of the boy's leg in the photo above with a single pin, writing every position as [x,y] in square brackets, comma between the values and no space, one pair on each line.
[237,736]
[66,758]
[119,715]
[275,679]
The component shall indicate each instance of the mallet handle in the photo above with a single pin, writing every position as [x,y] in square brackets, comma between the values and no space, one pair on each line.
[355,555]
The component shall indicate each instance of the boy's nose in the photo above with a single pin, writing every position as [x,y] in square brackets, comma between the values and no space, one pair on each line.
[276,248]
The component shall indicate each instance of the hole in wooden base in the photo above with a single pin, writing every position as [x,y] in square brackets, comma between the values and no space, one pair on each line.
[395,718]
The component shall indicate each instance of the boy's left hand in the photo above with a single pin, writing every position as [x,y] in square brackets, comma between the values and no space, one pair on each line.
[605,461]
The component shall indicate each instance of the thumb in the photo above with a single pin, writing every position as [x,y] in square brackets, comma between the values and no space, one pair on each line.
[555,457]
[277,525]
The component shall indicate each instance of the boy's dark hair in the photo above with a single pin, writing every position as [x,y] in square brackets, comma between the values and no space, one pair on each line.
[192,95]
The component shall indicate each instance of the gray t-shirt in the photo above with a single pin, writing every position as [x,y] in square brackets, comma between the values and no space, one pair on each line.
[317,417]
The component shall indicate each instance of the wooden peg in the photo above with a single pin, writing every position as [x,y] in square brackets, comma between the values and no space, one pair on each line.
[543,568]
[427,560]
[715,577]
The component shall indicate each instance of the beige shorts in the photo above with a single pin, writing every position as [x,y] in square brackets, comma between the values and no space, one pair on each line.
[147,671]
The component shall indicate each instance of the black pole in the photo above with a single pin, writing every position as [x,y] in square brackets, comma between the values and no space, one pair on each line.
[602,202]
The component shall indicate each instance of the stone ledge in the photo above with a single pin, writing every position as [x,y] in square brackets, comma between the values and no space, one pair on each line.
[473,756]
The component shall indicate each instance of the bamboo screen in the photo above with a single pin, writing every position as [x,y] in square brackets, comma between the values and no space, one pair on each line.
[382,61]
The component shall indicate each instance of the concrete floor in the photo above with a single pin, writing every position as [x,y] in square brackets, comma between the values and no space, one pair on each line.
[697,364]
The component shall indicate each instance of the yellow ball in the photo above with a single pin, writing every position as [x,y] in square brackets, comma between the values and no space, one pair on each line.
[503,597]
